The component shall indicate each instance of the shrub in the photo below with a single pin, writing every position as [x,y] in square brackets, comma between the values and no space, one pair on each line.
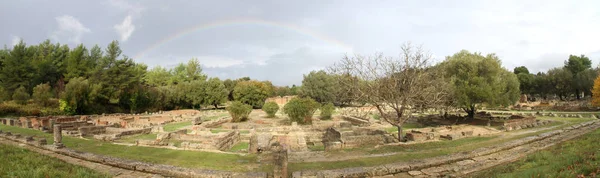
[42,94]
[270,108]
[20,95]
[301,110]
[239,112]
[327,111]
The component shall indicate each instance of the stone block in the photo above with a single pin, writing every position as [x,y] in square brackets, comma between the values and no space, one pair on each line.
[467,133]
[333,146]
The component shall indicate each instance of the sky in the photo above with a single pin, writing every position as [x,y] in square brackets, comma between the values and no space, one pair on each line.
[282,40]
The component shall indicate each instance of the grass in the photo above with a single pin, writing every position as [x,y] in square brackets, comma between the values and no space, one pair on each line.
[574,158]
[191,159]
[316,147]
[239,147]
[132,139]
[170,127]
[404,127]
[218,130]
[19,162]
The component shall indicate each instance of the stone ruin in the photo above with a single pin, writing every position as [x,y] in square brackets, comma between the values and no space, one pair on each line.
[523,122]
[335,139]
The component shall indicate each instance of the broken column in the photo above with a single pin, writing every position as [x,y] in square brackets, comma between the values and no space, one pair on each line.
[58,136]
[280,159]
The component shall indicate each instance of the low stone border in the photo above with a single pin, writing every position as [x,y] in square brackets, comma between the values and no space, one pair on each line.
[161,169]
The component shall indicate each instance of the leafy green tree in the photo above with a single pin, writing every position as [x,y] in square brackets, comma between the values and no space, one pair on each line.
[301,110]
[521,69]
[584,80]
[561,81]
[294,90]
[542,85]
[239,111]
[271,109]
[17,69]
[42,94]
[229,85]
[477,79]
[327,111]
[20,95]
[319,85]
[157,76]
[215,92]
[576,65]
[79,95]
[252,92]
[78,63]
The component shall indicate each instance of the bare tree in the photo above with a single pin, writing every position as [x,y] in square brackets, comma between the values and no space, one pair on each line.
[395,86]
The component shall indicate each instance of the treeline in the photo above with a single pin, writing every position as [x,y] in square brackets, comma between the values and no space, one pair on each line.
[54,79]
[574,80]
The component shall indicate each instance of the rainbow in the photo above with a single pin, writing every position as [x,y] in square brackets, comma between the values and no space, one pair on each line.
[224,23]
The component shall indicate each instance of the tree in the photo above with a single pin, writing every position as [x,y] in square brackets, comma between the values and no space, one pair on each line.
[327,111]
[301,110]
[584,80]
[596,92]
[78,63]
[542,85]
[42,94]
[561,81]
[319,85]
[521,69]
[476,79]
[17,69]
[215,92]
[270,108]
[394,86]
[252,92]
[576,65]
[157,76]
[239,111]
[20,95]
[79,95]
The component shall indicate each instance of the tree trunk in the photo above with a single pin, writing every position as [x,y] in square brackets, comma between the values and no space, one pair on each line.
[400,133]
[578,94]
[216,106]
[470,112]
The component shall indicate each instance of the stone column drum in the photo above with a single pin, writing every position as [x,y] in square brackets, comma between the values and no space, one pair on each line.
[58,136]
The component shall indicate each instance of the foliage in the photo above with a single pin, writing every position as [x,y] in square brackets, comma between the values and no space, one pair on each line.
[478,79]
[577,65]
[327,111]
[270,108]
[79,95]
[252,92]
[301,110]
[239,111]
[42,94]
[215,92]
[20,95]
[561,81]
[319,85]
[521,69]
[596,92]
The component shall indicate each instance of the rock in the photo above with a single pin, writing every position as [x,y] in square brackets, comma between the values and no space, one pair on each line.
[415,173]
[467,133]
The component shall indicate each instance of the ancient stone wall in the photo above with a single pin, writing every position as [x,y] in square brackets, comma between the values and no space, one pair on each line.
[356,121]
[334,139]
[281,101]
[91,130]
[215,123]
[219,141]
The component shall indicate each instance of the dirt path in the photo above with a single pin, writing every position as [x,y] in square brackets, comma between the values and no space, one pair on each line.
[113,171]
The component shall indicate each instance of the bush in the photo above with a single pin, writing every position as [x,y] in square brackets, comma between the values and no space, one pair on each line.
[14,109]
[20,95]
[327,111]
[42,94]
[301,110]
[239,112]
[270,108]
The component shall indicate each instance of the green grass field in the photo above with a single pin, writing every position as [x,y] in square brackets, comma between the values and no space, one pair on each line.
[192,159]
[574,158]
[19,162]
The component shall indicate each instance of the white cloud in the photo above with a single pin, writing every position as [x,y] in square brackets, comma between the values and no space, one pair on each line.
[218,61]
[132,9]
[69,27]
[125,29]
[15,40]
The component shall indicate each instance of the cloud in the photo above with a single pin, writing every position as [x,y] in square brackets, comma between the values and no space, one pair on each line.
[125,29]
[16,40]
[69,27]
[132,9]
